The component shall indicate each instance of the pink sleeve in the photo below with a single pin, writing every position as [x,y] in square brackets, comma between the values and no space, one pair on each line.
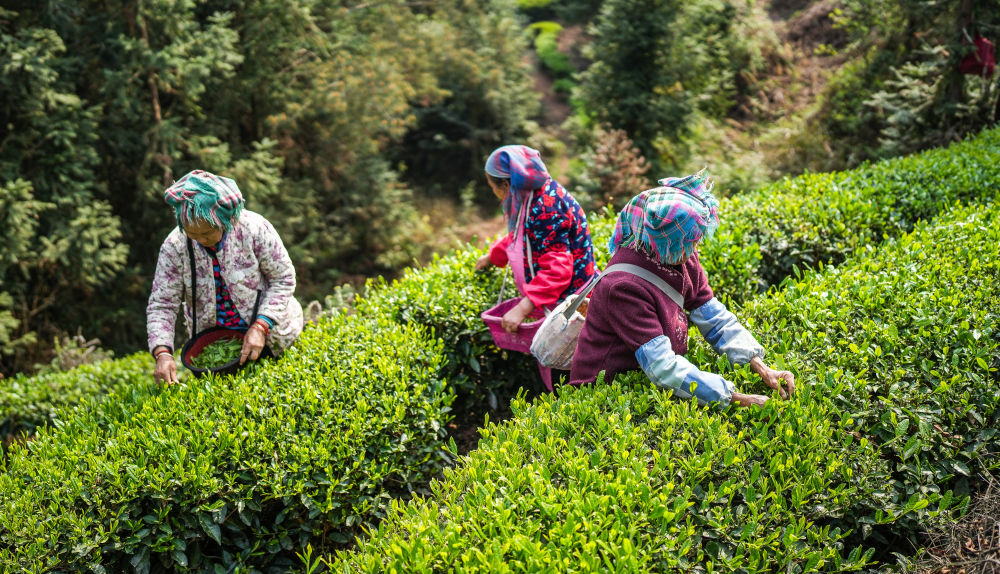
[498,253]
[554,276]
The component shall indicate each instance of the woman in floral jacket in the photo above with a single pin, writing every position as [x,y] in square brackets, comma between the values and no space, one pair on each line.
[548,245]
[239,259]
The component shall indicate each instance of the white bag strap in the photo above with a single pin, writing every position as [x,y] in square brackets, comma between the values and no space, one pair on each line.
[626,268]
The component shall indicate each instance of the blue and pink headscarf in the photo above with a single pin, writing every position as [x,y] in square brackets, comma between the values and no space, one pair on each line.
[205,196]
[667,222]
[526,171]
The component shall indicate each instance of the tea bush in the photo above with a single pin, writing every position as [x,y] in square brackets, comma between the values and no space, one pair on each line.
[620,477]
[234,472]
[914,332]
[447,297]
[813,219]
[27,403]
[896,410]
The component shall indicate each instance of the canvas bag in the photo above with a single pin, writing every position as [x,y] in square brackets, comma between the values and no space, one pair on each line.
[555,342]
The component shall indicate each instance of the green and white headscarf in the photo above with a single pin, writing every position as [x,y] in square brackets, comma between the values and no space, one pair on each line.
[201,195]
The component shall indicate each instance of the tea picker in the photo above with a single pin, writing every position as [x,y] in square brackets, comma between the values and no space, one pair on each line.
[548,246]
[227,269]
[637,319]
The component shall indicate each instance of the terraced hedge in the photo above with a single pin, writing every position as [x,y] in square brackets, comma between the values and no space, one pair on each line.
[798,223]
[233,473]
[447,298]
[27,403]
[241,473]
[898,410]
[807,220]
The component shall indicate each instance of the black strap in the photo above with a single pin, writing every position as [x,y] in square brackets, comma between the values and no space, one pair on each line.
[256,306]
[194,306]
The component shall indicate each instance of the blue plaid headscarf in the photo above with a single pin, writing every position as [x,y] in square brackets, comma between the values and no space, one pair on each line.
[205,196]
[526,171]
[667,222]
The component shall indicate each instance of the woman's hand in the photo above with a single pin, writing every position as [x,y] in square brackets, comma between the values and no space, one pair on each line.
[743,400]
[512,319]
[483,262]
[773,378]
[166,369]
[253,343]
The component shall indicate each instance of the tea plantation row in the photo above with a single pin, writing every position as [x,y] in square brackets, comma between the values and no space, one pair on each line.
[896,357]
[802,223]
[796,223]
[811,219]
[233,473]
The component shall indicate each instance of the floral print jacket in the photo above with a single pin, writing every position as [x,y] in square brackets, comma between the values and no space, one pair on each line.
[252,257]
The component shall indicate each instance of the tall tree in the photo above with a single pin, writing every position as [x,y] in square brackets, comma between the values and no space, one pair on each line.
[477,56]
[61,242]
[632,84]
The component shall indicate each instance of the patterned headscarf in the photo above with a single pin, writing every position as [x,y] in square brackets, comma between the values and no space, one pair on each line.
[526,171]
[205,196]
[667,222]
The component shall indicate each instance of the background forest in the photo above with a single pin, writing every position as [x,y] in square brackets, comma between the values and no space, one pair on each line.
[359,128]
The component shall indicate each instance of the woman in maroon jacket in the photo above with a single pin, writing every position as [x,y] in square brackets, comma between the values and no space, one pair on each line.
[633,324]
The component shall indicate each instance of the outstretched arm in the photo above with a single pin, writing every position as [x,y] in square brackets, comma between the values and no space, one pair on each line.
[730,338]
[669,370]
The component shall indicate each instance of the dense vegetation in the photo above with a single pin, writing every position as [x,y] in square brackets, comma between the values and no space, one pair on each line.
[895,416]
[235,471]
[896,347]
[342,119]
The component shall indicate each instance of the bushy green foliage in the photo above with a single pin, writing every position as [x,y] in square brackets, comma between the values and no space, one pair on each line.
[633,84]
[447,298]
[234,472]
[475,50]
[60,239]
[28,403]
[895,410]
[656,62]
[619,477]
[724,48]
[912,332]
[816,219]
[904,91]
[547,48]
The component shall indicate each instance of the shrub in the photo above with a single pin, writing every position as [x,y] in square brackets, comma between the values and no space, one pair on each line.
[447,297]
[816,219]
[619,476]
[27,403]
[234,472]
[896,410]
[912,332]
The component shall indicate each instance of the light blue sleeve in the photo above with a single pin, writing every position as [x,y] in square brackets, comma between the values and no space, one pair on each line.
[725,333]
[669,370]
